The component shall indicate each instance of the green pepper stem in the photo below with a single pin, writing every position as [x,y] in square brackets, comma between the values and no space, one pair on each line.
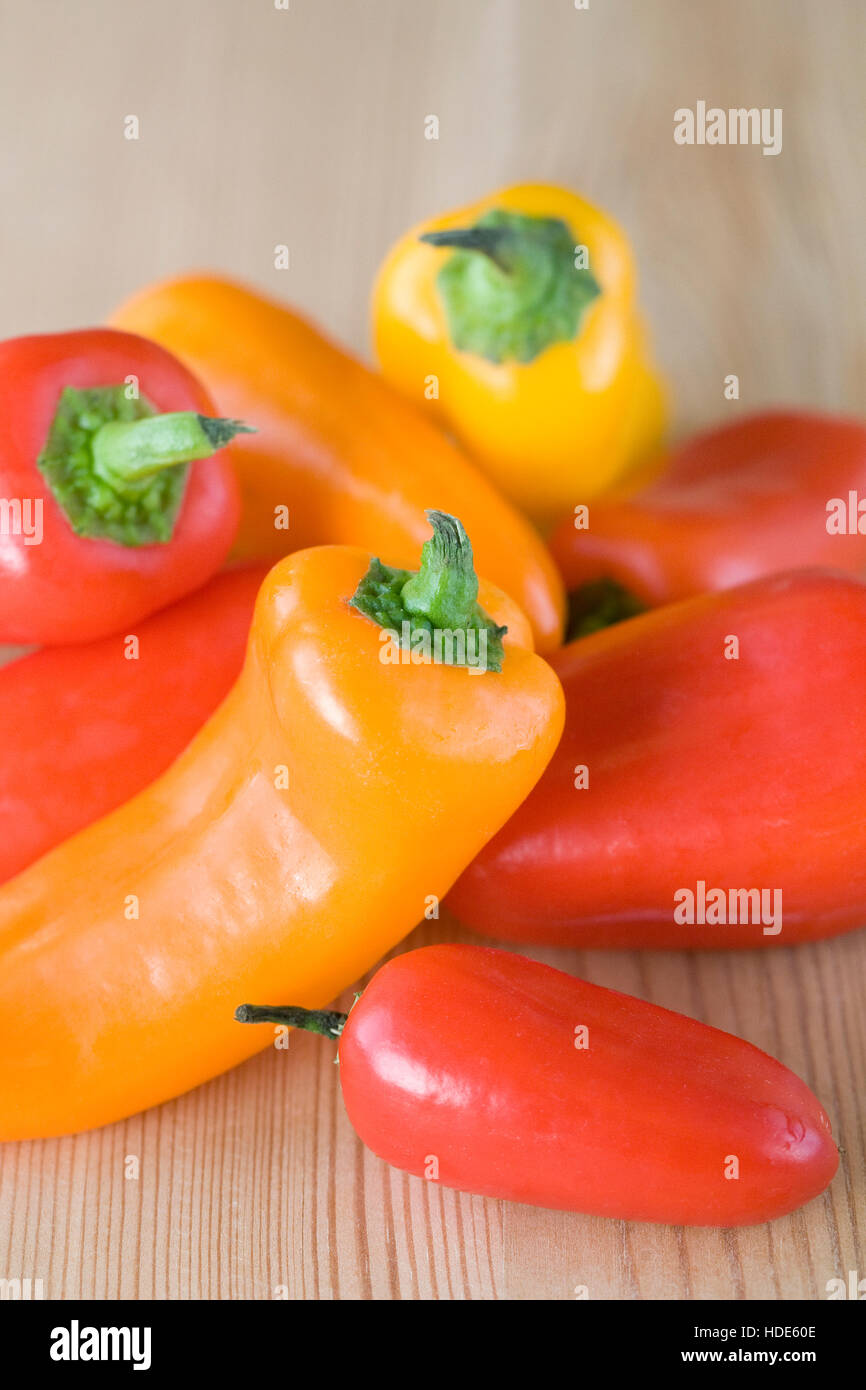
[445,588]
[598,604]
[440,599]
[488,240]
[513,285]
[133,451]
[327,1022]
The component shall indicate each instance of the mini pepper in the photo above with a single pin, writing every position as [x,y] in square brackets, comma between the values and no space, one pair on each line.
[110,502]
[756,496]
[494,1074]
[338,457]
[84,727]
[301,835]
[709,789]
[514,321]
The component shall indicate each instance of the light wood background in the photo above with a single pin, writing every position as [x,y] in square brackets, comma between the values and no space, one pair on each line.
[306,127]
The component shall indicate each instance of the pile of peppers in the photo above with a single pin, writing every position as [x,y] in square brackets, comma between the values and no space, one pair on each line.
[320,647]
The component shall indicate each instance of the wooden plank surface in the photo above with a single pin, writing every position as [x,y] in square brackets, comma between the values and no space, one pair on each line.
[306,127]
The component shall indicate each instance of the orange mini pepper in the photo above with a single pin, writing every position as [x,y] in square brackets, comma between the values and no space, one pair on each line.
[515,321]
[339,451]
[335,793]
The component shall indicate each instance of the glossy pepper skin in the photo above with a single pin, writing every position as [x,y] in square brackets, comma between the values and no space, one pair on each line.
[352,461]
[295,841]
[473,1059]
[84,729]
[731,504]
[58,586]
[543,372]
[736,774]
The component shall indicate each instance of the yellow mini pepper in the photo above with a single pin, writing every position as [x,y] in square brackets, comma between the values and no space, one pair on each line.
[516,319]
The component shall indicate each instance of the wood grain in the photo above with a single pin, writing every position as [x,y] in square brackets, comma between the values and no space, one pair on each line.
[306,127]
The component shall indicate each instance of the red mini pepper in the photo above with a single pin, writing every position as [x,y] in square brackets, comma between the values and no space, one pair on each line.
[765,494]
[709,788]
[493,1074]
[109,506]
[83,728]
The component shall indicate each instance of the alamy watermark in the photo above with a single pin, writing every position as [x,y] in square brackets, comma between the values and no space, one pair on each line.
[22,516]
[739,125]
[15,1290]
[719,907]
[846,516]
[413,646]
[77,1343]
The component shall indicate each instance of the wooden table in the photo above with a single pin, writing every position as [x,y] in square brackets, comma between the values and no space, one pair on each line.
[260,126]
